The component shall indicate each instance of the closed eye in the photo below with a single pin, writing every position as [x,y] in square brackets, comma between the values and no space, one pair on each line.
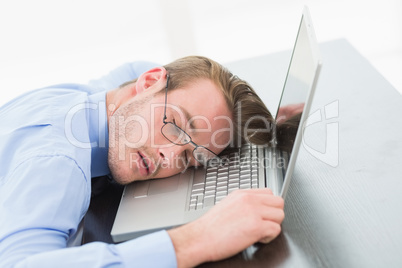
[186,158]
[174,122]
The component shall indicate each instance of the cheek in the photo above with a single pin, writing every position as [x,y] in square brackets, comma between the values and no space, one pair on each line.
[135,134]
[128,130]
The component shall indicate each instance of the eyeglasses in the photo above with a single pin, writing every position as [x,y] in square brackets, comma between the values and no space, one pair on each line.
[178,136]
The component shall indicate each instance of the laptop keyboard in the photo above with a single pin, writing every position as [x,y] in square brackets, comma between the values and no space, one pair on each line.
[240,171]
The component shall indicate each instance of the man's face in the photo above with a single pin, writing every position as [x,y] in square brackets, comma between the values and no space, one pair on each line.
[137,148]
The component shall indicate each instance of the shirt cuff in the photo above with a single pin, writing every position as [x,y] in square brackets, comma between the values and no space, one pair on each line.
[153,250]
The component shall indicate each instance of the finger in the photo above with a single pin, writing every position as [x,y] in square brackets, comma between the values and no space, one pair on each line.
[273,201]
[271,231]
[267,200]
[273,214]
[260,196]
[264,191]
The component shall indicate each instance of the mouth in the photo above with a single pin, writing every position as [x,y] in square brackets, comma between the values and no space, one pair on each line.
[146,164]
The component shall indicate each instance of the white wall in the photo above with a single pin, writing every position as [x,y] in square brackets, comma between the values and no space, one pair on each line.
[47,42]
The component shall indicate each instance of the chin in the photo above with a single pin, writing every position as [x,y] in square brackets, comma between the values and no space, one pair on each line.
[119,175]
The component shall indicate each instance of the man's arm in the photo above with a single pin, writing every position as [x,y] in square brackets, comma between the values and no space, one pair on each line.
[241,219]
[41,203]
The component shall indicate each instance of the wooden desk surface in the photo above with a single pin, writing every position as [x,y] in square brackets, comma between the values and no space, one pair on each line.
[344,204]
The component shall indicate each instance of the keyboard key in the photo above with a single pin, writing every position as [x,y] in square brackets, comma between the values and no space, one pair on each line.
[244,186]
[200,186]
[193,203]
[212,169]
[233,186]
[221,180]
[234,180]
[233,176]
[254,183]
[246,172]
[222,183]
[211,187]
[235,165]
[221,189]
[245,179]
[199,178]
[209,201]
[210,183]
[211,176]
[196,192]
[210,193]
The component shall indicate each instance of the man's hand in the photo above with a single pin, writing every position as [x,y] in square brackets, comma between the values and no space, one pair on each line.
[241,219]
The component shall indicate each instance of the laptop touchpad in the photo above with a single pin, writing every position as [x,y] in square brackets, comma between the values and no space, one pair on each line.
[160,186]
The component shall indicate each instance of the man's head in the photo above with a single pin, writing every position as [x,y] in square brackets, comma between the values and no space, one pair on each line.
[203,98]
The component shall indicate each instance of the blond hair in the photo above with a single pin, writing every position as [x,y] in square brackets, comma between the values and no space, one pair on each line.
[252,120]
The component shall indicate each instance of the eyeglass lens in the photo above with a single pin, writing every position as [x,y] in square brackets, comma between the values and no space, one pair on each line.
[177,136]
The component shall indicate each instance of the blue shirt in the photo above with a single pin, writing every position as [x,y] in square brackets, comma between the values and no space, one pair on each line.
[52,141]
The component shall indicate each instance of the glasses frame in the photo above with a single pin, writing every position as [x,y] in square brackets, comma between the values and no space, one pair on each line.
[217,159]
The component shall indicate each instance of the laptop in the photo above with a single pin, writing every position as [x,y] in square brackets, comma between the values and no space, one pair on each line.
[149,206]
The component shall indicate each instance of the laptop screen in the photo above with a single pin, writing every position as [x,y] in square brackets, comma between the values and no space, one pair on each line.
[297,93]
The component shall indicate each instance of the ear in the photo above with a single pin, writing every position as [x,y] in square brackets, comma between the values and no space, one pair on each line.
[154,79]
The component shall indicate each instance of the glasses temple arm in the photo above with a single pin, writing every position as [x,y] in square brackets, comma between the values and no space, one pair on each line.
[166,89]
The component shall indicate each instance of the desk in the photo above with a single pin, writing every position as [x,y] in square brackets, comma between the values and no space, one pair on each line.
[344,213]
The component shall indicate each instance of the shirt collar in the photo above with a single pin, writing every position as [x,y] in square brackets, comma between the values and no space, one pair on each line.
[98,134]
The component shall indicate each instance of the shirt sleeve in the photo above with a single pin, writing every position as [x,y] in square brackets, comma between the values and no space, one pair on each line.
[121,74]
[41,203]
